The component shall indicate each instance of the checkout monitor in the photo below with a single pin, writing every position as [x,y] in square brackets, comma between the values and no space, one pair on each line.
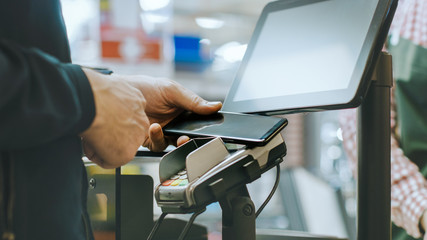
[310,55]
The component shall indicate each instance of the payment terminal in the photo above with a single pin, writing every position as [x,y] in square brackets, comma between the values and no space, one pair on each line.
[203,170]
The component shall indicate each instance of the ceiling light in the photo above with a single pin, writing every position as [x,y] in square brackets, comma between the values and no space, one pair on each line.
[151,5]
[209,23]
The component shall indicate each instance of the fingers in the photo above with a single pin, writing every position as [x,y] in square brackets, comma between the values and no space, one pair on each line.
[209,107]
[156,141]
[190,101]
[181,140]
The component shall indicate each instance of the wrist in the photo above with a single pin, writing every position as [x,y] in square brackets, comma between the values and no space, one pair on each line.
[98,84]
[83,97]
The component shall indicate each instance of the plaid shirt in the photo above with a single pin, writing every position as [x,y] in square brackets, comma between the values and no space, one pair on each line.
[408,185]
[410,22]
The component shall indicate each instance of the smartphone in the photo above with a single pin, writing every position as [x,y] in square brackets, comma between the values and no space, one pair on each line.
[248,129]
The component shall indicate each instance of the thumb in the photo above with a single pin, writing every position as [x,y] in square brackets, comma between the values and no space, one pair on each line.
[204,107]
[188,100]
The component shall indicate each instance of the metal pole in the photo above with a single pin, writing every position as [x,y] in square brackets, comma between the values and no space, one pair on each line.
[238,215]
[373,221]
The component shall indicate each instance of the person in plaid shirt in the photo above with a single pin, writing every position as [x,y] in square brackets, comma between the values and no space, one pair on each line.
[408,45]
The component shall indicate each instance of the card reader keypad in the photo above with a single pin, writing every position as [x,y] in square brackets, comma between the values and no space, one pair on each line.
[179,179]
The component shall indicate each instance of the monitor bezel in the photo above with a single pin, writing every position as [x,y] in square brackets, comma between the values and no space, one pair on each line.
[360,79]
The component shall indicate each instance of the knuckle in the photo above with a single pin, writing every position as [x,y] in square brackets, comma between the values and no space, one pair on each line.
[170,86]
[167,89]
[140,99]
[195,100]
[143,101]
[166,80]
[168,83]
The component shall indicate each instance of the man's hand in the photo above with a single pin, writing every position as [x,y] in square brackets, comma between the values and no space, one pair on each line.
[166,99]
[120,123]
[131,111]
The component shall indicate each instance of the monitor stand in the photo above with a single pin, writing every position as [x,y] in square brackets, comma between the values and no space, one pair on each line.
[373,182]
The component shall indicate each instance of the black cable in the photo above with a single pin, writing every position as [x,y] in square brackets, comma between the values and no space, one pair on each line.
[156,226]
[273,190]
[190,223]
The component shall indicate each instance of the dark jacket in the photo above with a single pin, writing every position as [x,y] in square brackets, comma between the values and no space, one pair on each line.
[45,102]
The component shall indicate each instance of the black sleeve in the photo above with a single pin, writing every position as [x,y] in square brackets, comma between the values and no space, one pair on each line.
[41,99]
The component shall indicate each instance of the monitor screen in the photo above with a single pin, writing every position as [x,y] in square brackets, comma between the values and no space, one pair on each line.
[309,54]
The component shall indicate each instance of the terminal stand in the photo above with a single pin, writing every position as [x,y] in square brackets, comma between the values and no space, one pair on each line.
[238,215]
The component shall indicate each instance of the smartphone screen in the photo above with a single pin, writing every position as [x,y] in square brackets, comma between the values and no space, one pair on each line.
[252,130]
